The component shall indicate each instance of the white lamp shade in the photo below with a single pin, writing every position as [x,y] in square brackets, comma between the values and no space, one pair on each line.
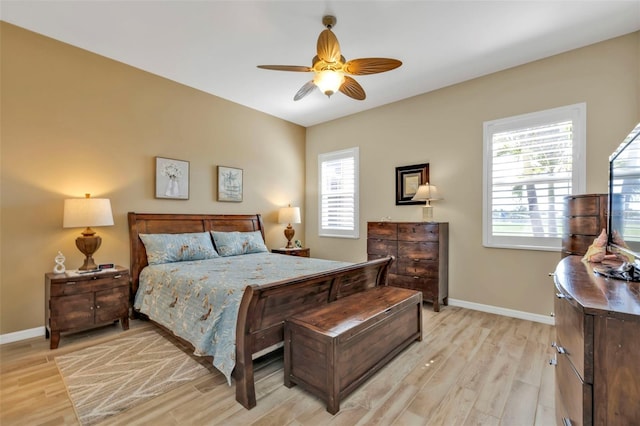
[426,192]
[289,215]
[86,212]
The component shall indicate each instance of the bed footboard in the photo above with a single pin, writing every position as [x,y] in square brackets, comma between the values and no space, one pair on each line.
[264,308]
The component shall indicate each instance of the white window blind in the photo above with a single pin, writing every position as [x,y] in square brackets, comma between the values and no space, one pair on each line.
[338,193]
[531,163]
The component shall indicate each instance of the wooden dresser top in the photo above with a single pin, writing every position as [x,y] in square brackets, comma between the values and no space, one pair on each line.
[595,294]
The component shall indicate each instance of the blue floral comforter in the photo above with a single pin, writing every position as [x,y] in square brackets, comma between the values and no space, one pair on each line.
[199,300]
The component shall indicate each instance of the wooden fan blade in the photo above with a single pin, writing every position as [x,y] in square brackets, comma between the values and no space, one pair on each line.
[352,88]
[328,47]
[298,68]
[304,90]
[366,66]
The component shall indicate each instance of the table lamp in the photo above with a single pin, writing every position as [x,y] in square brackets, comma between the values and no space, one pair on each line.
[87,212]
[426,193]
[289,215]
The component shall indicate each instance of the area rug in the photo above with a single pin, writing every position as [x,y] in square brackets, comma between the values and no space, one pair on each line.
[109,378]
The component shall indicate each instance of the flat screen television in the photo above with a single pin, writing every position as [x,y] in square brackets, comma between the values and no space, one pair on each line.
[624,204]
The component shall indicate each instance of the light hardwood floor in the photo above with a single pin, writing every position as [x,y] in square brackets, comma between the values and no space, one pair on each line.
[472,368]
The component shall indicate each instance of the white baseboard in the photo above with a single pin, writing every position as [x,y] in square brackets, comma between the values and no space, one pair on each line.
[544,319]
[21,335]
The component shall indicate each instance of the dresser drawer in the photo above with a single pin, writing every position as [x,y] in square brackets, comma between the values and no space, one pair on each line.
[585,225]
[418,232]
[418,250]
[418,268]
[574,336]
[584,206]
[427,285]
[382,230]
[577,244]
[575,397]
[78,285]
[382,247]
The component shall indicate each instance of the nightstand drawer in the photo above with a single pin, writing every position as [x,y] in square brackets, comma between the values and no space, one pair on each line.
[76,286]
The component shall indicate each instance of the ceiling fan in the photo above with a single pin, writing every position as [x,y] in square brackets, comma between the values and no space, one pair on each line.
[331,67]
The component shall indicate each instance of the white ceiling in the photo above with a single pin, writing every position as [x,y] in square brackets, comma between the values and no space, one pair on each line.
[214,46]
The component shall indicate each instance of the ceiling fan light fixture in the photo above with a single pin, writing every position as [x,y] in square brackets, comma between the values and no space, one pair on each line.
[329,81]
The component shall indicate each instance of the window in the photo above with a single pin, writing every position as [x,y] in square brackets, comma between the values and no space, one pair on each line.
[531,162]
[338,194]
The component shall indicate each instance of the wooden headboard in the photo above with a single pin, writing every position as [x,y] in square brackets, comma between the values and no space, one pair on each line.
[166,223]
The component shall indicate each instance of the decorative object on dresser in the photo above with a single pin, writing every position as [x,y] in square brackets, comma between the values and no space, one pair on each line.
[230,184]
[87,212]
[59,259]
[296,251]
[421,250]
[585,216]
[172,178]
[332,350]
[289,215]
[597,343]
[427,193]
[78,301]
[408,179]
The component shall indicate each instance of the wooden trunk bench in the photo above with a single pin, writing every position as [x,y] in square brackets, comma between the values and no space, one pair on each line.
[332,350]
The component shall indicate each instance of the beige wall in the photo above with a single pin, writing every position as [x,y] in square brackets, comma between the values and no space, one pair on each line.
[75,122]
[444,128]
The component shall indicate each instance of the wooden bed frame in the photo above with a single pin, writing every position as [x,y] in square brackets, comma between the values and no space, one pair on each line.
[263,308]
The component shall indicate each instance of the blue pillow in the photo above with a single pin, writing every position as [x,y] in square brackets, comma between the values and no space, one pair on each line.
[236,243]
[167,248]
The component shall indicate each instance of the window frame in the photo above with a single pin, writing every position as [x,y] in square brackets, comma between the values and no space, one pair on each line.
[332,156]
[577,113]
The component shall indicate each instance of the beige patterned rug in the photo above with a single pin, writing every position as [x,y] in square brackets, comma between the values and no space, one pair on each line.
[108,378]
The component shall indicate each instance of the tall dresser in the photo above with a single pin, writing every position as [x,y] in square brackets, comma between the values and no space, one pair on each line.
[598,347]
[585,216]
[421,250]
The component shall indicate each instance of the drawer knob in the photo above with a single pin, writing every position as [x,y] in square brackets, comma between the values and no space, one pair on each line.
[553,362]
[91,308]
[115,277]
[98,307]
[566,422]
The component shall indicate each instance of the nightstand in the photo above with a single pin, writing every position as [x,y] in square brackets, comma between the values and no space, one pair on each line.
[302,252]
[79,301]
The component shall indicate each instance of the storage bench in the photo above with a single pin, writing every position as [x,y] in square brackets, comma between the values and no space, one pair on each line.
[333,349]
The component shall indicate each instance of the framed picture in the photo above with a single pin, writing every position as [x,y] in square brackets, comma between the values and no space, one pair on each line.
[172,178]
[229,184]
[408,178]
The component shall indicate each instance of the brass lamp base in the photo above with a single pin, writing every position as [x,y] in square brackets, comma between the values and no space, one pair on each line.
[289,232]
[88,245]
